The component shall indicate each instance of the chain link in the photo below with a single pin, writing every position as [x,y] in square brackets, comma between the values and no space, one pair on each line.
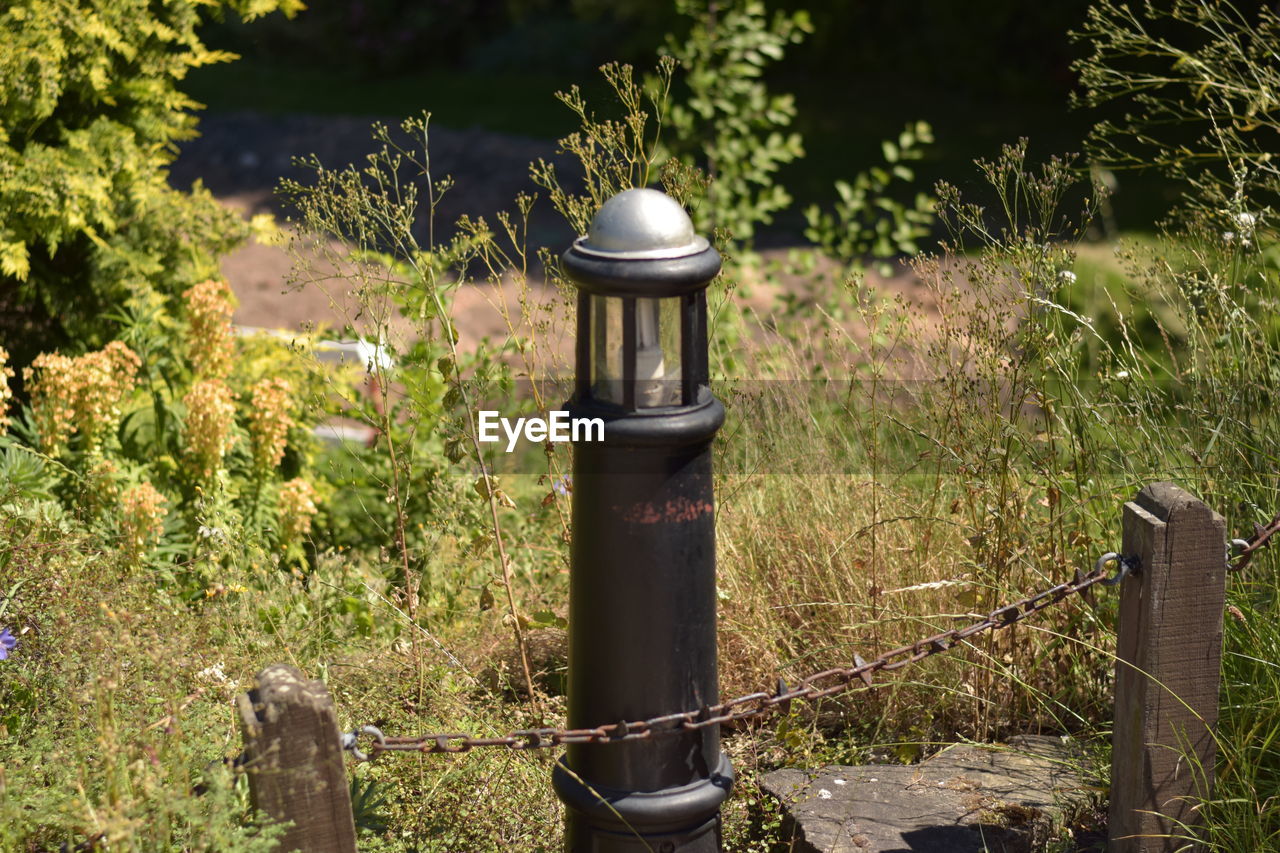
[1248,547]
[820,685]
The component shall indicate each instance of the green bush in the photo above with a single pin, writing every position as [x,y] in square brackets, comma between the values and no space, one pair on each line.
[867,221]
[730,123]
[90,115]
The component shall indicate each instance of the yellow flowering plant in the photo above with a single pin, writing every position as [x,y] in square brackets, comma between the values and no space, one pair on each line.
[270,418]
[143,512]
[100,486]
[180,419]
[211,415]
[297,509]
[211,340]
[52,399]
[6,393]
[85,395]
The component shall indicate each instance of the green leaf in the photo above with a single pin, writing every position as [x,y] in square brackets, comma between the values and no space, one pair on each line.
[14,260]
[547,619]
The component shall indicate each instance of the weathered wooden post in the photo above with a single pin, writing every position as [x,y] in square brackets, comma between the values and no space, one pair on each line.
[1169,650]
[293,754]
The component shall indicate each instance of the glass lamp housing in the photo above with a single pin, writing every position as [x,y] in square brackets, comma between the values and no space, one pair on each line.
[636,351]
[642,328]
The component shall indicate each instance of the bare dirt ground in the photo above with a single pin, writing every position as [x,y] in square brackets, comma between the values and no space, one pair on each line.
[242,157]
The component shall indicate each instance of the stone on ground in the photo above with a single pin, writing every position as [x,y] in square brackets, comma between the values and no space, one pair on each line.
[965,799]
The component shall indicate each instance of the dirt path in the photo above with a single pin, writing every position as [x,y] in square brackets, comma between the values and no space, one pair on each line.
[242,157]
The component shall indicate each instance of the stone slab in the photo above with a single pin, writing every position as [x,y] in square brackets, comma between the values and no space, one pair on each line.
[965,799]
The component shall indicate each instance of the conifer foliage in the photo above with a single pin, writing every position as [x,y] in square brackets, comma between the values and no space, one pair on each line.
[90,117]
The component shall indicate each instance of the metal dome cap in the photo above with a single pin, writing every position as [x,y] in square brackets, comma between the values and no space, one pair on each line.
[641,224]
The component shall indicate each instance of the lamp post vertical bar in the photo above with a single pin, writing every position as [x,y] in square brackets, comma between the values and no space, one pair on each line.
[582,348]
[689,336]
[628,354]
[703,358]
[642,603]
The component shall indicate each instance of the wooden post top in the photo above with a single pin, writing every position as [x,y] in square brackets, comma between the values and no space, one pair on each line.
[1164,499]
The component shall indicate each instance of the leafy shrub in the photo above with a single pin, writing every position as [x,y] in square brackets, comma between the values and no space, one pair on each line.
[867,221]
[175,463]
[731,124]
[90,115]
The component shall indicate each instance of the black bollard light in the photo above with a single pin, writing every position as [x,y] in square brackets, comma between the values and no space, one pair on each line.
[642,603]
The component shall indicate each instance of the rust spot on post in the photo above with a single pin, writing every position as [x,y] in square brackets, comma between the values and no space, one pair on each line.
[676,510]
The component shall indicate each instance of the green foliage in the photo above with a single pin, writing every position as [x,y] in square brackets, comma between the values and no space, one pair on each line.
[90,115]
[867,220]
[1197,82]
[448,524]
[98,662]
[367,800]
[24,472]
[730,123]
[135,486]
[429,427]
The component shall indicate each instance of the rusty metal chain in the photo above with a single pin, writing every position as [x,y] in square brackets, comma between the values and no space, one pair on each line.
[829,682]
[1248,547]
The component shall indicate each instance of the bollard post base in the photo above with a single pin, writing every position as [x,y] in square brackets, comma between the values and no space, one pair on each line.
[673,820]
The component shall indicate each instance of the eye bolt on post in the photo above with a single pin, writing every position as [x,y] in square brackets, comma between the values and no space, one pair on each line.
[642,602]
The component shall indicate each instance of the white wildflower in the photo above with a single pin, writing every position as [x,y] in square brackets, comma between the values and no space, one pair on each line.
[1246,221]
[216,534]
[1067,277]
[213,674]
[1123,374]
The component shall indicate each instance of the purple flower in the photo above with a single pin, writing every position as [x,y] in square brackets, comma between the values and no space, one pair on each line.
[8,643]
[563,485]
